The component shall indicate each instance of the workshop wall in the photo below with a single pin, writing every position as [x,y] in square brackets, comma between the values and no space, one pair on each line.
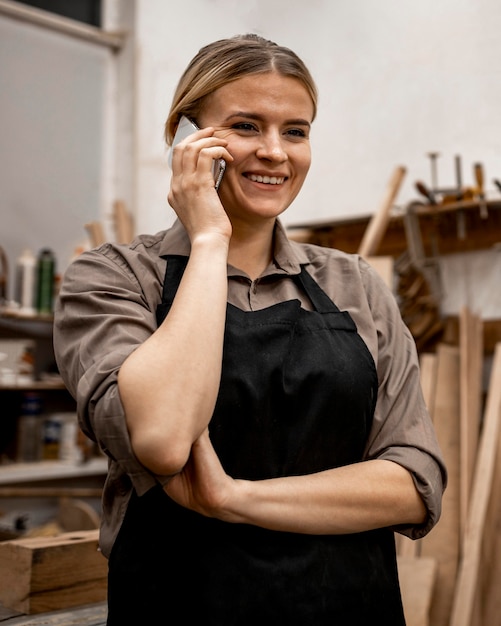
[83,126]
[397,79]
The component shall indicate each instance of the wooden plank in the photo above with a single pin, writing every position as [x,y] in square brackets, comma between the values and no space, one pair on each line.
[471,366]
[417,578]
[442,543]
[38,574]
[377,226]
[487,474]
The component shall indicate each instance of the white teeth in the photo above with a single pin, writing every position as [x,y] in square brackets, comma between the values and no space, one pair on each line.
[268,180]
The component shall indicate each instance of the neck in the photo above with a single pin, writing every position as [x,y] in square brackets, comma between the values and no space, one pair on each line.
[251,250]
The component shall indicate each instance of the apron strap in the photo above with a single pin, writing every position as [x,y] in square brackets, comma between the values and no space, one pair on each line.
[173,274]
[318,297]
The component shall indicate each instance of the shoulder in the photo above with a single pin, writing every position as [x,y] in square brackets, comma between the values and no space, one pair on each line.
[343,274]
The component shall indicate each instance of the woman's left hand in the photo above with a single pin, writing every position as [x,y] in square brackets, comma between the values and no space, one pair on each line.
[203,485]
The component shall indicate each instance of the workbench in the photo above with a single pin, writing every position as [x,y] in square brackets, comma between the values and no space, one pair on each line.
[89,615]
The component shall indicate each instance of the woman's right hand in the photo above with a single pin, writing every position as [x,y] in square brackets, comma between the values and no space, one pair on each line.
[192,194]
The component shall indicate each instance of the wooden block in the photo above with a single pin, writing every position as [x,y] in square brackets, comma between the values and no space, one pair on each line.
[49,573]
[442,543]
[417,578]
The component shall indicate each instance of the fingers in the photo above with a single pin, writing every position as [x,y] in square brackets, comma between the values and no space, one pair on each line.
[194,155]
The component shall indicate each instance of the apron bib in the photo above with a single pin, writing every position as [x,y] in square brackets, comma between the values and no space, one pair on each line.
[297,396]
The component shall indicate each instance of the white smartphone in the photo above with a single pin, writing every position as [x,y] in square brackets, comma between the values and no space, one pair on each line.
[185,128]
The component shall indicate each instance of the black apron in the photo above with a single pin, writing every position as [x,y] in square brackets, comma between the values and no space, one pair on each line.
[297,396]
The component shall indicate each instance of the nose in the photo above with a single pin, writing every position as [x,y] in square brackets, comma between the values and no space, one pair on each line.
[271,147]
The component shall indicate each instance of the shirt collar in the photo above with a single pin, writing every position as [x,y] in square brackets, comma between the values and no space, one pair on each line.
[288,255]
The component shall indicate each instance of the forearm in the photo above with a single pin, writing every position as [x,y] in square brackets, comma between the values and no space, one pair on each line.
[169,385]
[349,499]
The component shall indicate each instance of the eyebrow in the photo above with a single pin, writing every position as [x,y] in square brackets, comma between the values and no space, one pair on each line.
[255,116]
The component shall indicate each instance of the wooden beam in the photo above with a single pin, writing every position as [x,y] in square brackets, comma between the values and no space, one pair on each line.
[377,226]
[465,609]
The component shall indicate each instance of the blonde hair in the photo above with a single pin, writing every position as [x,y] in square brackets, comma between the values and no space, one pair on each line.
[226,60]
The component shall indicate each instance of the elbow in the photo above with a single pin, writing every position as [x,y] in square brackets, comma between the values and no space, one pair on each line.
[159,455]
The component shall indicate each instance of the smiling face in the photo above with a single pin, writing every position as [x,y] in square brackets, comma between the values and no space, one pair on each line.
[266,120]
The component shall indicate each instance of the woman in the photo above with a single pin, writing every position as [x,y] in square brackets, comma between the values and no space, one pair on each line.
[259,399]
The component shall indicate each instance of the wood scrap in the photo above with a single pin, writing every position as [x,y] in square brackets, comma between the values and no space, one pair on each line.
[39,574]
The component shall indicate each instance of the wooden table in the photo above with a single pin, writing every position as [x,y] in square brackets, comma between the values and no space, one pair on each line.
[89,615]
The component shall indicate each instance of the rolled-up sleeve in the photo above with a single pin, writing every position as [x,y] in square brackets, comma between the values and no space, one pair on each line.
[402,429]
[102,316]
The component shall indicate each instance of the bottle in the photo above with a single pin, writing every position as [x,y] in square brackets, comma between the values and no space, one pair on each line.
[26,282]
[51,437]
[29,434]
[45,281]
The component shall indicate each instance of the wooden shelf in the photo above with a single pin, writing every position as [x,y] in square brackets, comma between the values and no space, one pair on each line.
[35,385]
[51,470]
[13,324]
[438,225]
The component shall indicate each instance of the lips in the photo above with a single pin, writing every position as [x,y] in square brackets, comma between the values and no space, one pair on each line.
[267,180]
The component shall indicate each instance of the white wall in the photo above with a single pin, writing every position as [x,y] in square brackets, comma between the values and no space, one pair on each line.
[53,133]
[397,79]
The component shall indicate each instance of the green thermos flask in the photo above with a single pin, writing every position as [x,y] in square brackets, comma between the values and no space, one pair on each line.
[46,267]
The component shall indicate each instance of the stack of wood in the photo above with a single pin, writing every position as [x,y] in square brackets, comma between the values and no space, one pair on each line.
[450,577]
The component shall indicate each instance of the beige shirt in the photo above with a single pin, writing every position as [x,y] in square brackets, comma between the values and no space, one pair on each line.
[107,307]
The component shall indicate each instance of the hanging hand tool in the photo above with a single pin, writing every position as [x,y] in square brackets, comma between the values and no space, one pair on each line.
[424,191]
[478,171]
[433,158]
[497,183]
